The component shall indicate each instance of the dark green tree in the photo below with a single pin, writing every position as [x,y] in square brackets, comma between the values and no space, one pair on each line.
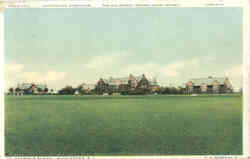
[11,90]
[46,90]
[68,90]
[17,89]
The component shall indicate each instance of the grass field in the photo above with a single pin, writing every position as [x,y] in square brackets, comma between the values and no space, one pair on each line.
[124,125]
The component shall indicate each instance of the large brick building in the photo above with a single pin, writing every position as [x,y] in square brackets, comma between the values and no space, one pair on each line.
[209,85]
[130,83]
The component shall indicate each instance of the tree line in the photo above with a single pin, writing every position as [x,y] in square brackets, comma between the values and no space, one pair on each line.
[69,90]
[79,90]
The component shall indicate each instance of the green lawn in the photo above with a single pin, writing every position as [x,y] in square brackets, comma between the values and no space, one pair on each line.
[124,125]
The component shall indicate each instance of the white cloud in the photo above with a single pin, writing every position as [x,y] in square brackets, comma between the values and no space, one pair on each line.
[54,76]
[102,62]
[13,68]
[179,67]
[169,70]
[15,73]
[105,66]
[148,69]
[235,75]
[119,65]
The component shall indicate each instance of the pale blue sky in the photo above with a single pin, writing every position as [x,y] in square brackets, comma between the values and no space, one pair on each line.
[71,46]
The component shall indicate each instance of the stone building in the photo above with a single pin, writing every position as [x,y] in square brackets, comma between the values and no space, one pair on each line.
[31,88]
[101,87]
[143,83]
[131,80]
[154,86]
[209,85]
[127,84]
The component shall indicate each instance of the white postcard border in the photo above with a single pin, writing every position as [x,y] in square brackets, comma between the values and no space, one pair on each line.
[167,3]
[246,79]
[1,83]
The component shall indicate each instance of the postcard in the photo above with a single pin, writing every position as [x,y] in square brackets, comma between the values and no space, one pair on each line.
[124,82]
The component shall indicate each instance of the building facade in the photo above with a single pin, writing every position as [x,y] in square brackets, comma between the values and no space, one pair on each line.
[209,85]
[30,88]
[126,85]
[101,87]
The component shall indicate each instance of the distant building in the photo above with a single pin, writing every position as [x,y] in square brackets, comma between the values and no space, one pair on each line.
[209,85]
[154,86]
[126,84]
[143,83]
[101,87]
[131,80]
[30,88]
[116,83]
[76,92]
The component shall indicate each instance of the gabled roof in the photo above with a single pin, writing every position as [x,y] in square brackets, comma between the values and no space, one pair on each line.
[207,81]
[124,80]
[28,85]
